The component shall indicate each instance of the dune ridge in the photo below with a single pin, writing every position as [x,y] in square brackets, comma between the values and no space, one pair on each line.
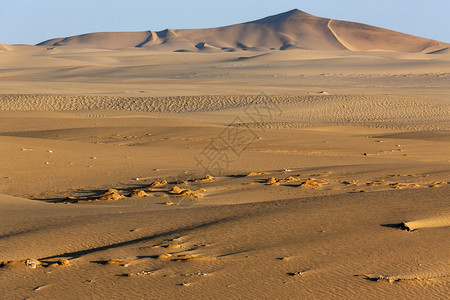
[294,29]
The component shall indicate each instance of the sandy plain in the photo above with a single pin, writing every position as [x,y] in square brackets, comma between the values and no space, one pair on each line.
[330,174]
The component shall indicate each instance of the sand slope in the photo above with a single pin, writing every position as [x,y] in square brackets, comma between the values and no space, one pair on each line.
[290,30]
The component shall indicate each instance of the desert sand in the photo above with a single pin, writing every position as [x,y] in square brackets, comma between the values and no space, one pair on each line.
[147,172]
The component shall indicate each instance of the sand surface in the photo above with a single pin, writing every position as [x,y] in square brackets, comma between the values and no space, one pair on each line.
[330,174]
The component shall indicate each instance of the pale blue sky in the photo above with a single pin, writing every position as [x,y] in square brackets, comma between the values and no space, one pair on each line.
[33,21]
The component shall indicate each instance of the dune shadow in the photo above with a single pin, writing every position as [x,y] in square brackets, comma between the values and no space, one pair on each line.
[236,176]
[401,226]
[95,194]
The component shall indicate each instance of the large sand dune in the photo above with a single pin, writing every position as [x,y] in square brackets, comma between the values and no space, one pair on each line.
[290,30]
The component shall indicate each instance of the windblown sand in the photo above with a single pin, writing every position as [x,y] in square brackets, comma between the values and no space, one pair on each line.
[339,191]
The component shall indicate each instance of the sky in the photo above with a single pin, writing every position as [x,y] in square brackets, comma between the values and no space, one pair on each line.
[34,21]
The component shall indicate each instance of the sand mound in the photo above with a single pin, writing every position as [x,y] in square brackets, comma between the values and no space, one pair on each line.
[435,222]
[291,179]
[271,181]
[310,184]
[116,262]
[176,190]
[185,193]
[256,174]
[158,183]
[111,194]
[31,263]
[207,178]
[138,194]
[191,193]
[62,263]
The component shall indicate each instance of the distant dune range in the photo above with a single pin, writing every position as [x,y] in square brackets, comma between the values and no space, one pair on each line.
[290,30]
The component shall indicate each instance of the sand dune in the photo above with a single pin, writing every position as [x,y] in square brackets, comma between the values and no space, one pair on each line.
[290,30]
[435,222]
[4,47]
